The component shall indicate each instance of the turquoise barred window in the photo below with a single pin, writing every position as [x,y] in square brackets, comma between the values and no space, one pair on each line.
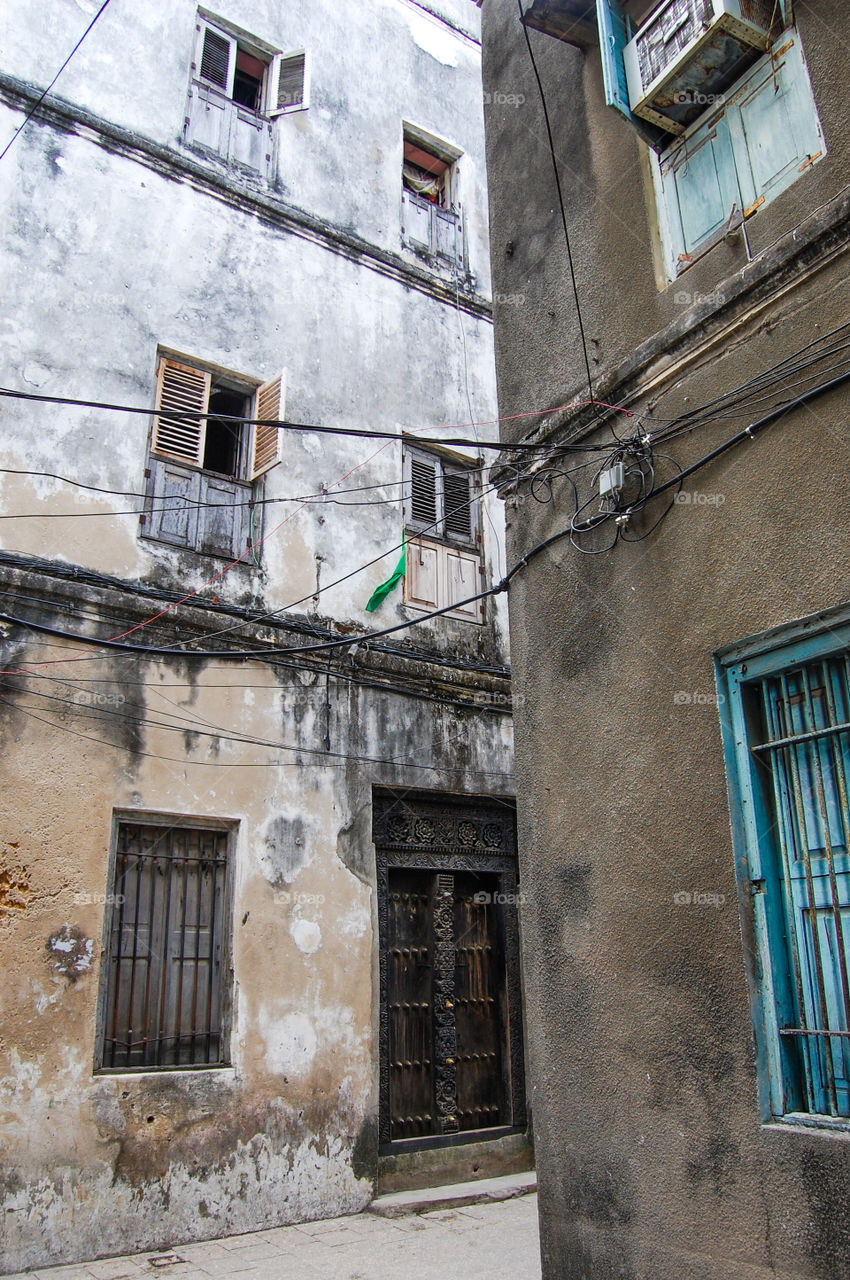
[787,730]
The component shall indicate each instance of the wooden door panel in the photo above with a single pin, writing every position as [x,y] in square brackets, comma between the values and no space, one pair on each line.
[479,983]
[410,1003]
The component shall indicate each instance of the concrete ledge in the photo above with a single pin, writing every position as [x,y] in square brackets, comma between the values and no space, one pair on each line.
[454,1197]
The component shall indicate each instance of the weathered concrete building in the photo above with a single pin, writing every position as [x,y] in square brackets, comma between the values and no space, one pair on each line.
[686,978]
[257,889]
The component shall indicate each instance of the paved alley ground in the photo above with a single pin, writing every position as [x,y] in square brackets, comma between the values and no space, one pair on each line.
[495,1241]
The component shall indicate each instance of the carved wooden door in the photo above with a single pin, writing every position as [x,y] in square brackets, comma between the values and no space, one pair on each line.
[446,992]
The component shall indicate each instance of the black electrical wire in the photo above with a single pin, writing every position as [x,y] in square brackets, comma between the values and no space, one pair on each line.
[41,98]
[310,427]
[560,197]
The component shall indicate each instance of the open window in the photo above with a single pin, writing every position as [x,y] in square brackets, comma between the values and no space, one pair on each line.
[431,213]
[719,89]
[239,86]
[212,439]
[443,533]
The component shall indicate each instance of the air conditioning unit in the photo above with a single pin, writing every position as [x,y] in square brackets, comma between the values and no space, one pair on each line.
[689,52]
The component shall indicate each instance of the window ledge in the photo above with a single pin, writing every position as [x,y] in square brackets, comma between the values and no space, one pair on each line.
[800,1122]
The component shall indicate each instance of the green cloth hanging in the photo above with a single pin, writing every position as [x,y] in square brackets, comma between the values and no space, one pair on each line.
[380,593]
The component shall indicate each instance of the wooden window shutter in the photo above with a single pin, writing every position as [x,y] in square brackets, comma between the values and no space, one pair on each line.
[458,500]
[422,503]
[182,390]
[265,440]
[216,58]
[288,83]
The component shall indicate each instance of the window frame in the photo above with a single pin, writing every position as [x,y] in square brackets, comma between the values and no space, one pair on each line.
[443,462]
[229,827]
[426,226]
[740,670]
[259,452]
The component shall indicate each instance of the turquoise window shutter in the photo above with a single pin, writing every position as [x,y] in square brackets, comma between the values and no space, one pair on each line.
[701,187]
[761,137]
[613,37]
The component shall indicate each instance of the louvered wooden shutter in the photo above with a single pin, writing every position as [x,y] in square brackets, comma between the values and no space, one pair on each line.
[215,58]
[288,83]
[265,441]
[184,391]
[422,488]
[457,503]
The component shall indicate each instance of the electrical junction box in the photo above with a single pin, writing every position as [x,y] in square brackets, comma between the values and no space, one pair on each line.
[611,480]
[688,53]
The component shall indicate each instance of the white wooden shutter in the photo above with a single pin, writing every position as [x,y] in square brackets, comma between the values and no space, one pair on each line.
[217,59]
[185,391]
[288,84]
[422,575]
[265,441]
[463,579]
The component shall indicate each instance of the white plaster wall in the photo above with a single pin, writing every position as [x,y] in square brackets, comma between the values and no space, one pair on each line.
[374,63]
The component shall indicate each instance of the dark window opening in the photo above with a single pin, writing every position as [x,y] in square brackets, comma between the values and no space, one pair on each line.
[426,174]
[222,445]
[248,81]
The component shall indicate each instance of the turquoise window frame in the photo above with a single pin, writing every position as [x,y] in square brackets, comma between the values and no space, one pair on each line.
[767,821]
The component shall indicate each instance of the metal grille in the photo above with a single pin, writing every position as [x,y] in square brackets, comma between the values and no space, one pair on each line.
[806,716]
[668,34]
[164,1004]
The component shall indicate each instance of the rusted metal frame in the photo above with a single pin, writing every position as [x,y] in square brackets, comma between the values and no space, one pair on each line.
[178,1015]
[214,878]
[826,1058]
[787,842]
[152,877]
[163,978]
[131,997]
[199,891]
[831,731]
[116,935]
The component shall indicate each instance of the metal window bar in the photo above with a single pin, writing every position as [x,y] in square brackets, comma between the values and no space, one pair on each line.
[164,994]
[806,752]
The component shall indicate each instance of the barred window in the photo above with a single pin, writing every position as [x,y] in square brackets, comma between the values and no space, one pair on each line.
[167,985]
[792,724]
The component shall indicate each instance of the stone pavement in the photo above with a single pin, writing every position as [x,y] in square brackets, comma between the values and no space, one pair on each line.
[490,1241]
